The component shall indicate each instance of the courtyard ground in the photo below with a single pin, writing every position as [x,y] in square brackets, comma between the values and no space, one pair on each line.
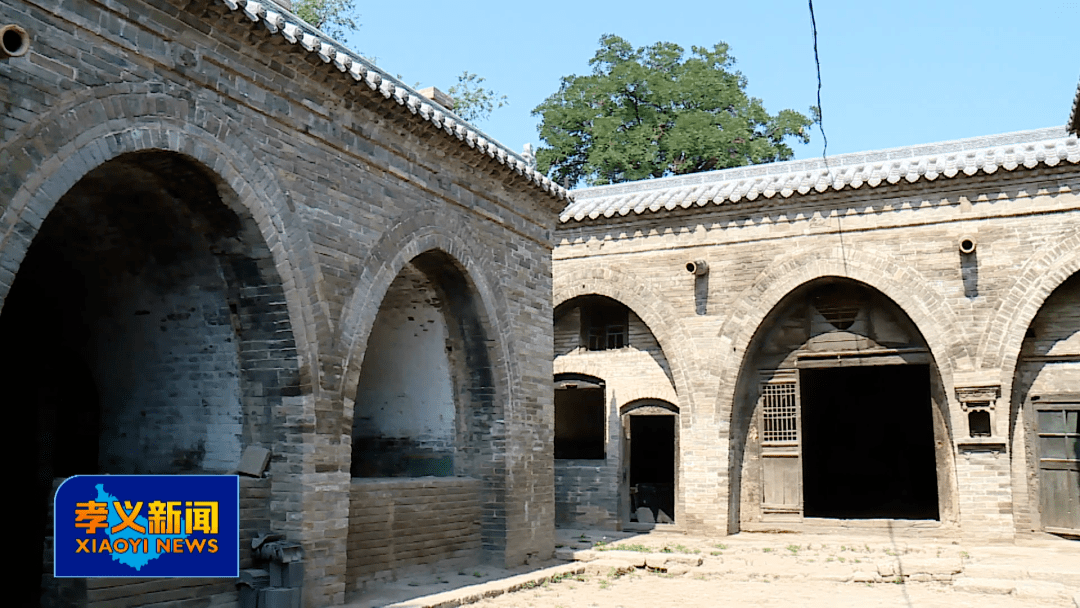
[658,569]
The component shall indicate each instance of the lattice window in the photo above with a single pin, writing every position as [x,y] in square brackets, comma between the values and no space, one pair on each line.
[779,413]
[606,326]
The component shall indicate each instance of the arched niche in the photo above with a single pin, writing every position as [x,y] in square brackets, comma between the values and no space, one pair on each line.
[425,398]
[146,330]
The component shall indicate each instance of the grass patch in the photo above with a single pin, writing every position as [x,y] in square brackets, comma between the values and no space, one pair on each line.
[628,547]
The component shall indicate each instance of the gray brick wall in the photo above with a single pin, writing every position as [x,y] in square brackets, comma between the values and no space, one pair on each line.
[342,187]
[404,526]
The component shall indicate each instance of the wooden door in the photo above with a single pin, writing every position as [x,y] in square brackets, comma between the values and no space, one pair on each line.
[1057,427]
[781,461]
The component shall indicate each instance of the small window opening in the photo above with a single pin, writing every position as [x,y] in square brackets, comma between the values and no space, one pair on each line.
[606,326]
[579,423]
[979,423]
[779,413]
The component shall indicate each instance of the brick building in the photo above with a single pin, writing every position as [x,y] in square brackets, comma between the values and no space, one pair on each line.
[219,229]
[886,340]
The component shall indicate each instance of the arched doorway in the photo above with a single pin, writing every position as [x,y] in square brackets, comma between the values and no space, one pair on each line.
[427,428]
[839,413]
[650,449]
[145,332]
[606,357]
[1046,403]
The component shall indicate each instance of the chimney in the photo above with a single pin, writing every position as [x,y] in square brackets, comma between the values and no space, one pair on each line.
[438,97]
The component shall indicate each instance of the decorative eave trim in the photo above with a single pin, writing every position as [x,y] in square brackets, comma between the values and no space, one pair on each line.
[296,31]
[965,157]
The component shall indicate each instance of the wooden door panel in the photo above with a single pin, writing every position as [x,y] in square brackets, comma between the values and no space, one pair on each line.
[781,462]
[1057,421]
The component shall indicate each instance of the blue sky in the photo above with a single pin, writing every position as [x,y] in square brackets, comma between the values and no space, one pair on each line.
[893,73]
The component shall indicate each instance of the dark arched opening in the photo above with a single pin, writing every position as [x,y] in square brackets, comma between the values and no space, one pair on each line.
[651,459]
[145,333]
[838,412]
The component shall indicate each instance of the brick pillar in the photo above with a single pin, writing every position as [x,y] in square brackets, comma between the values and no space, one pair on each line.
[984,483]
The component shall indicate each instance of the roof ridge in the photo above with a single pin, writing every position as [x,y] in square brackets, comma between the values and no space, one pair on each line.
[281,21]
[833,162]
[1008,152]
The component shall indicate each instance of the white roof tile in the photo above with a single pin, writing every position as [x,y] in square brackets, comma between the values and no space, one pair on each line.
[910,164]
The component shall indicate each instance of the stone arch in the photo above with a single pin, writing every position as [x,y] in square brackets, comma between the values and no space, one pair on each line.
[900,283]
[635,394]
[421,232]
[1023,378]
[999,346]
[101,130]
[52,154]
[934,322]
[649,305]
[439,251]
[644,402]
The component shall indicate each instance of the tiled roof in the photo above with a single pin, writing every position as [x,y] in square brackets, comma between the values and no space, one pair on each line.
[307,39]
[1008,152]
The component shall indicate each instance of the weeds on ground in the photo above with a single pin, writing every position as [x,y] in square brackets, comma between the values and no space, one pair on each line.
[721,546]
[794,549]
[628,547]
[766,550]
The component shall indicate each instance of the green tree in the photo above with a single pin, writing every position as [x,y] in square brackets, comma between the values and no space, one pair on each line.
[335,17]
[471,100]
[652,111]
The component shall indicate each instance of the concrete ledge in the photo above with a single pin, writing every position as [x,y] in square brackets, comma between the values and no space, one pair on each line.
[475,593]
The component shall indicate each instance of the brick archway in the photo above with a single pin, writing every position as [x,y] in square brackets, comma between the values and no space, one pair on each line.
[904,285]
[620,285]
[485,402]
[1000,344]
[421,232]
[935,324]
[47,159]
[100,128]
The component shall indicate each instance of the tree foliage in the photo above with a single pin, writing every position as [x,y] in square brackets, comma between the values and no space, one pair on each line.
[472,101]
[335,17]
[652,111]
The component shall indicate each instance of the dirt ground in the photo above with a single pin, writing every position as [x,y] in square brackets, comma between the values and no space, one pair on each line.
[846,570]
[646,590]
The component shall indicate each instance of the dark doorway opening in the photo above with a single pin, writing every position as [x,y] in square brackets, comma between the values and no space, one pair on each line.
[579,423]
[868,443]
[652,464]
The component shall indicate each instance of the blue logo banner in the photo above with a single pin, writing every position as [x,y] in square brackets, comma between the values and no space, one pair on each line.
[147,526]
